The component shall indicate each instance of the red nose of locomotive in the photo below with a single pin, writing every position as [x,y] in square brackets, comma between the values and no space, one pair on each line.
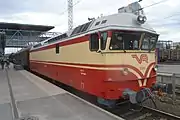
[132,79]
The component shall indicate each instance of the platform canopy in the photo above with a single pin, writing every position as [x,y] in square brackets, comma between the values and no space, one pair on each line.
[17,26]
[23,35]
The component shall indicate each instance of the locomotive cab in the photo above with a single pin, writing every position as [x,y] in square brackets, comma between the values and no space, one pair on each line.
[131,54]
[123,41]
[132,41]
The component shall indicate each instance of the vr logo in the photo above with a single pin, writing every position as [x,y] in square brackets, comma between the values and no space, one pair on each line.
[143,57]
[142,84]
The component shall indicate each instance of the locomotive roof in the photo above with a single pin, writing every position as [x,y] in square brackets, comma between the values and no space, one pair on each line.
[123,21]
[119,21]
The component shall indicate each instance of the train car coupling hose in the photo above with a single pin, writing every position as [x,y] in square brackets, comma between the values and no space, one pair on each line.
[140,96]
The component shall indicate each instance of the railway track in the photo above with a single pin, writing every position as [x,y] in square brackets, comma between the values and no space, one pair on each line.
[146,113]
[123,110]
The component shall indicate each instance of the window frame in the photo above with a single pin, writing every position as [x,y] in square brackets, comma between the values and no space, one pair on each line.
[57,48]
[151,35]
[90,42]
[154,45]
[104,21]
[81,28]
[124,33]
[143,42]
[103,32]
[97,23]
[112,39]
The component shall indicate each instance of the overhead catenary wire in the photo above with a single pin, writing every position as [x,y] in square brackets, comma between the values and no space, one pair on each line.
[162,1]
[62,13]
[153,1]
[176,14]
[150,5]
[167,17]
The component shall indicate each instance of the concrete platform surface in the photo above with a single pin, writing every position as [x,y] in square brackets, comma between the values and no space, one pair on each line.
[40,99]
[4,90]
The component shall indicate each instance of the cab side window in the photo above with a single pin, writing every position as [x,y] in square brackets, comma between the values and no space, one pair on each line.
[94,42]
[103,40]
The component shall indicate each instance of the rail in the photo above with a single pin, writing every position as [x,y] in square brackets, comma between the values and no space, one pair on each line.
[144,113]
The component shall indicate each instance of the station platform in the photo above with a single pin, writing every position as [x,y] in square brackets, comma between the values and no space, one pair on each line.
[24,96]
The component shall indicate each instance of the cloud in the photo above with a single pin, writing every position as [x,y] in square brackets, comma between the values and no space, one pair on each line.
[164,18]
[18,6]
[51,12]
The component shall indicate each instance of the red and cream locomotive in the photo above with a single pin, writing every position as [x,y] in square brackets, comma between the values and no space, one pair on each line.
[110,57]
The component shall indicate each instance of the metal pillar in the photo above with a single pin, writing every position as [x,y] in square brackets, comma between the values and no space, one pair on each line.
[173,78]
[70,14]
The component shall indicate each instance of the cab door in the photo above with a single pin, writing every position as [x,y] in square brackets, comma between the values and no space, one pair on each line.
[86,78]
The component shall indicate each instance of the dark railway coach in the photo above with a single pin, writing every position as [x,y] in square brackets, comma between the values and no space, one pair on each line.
[22,58]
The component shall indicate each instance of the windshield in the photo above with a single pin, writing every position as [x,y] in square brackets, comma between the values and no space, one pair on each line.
[125,41]
[131,41]
[149,42]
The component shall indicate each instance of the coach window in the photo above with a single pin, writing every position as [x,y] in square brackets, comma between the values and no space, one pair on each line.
[103,40]
[57,48]
[94,42]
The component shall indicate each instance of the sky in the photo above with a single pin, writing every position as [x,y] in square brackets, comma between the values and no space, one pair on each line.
[163,17]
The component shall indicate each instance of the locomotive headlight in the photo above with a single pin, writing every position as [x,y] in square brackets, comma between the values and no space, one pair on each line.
[141,19]
[125,71]
[156,67]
